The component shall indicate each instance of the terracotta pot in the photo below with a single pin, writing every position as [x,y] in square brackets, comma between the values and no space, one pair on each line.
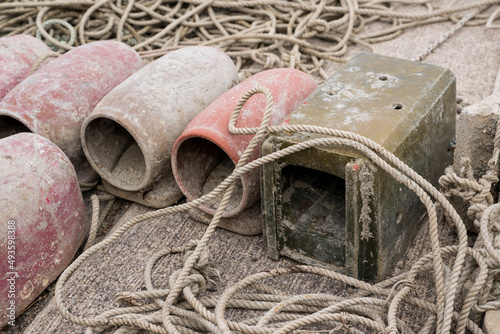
[206,152]
[43,219]
[17,55]
[55,100]
[129,136]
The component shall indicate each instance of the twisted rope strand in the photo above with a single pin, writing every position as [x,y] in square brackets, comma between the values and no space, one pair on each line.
[256,34]
[181,282]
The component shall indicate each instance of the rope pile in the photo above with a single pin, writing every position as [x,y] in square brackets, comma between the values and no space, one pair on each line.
[465,279]
[307,35]
[257,34]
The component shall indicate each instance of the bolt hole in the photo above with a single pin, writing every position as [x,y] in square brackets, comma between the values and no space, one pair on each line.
[397,106]
[383,78]
[399,217]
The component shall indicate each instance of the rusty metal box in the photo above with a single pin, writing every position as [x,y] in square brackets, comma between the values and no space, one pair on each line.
[332,207]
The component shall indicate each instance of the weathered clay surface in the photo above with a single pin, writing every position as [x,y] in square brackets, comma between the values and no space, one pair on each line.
[41,206]
[17,56]
[491,323]
[55,100]
[123,270]
[206,142]
[476,128]
[129,136]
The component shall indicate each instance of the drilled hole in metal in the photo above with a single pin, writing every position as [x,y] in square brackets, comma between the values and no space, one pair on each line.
[399,217]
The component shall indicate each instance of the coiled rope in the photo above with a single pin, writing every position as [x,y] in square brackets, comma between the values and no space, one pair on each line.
[468,283]
[257,34]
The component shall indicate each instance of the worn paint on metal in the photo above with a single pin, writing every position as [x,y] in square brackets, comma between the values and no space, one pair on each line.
[407,107]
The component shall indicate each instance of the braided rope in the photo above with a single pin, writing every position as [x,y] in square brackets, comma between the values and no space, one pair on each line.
[256,34]
[367,308]
[261,34]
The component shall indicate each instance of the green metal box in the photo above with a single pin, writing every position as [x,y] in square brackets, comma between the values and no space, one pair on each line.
[332,207]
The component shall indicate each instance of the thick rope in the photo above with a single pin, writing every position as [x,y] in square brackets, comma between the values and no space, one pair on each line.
[376,306]
[258,35]
[98,219]
[476,193]
[262,34]
[41,60]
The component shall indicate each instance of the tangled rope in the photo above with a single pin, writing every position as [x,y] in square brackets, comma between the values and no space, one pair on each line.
[465,279]
[257,34]
[477,194]
[307,35]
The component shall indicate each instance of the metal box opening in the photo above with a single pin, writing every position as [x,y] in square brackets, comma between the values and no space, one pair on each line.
[313,208]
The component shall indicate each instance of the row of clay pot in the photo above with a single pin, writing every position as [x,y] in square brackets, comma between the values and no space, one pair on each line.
[43,220]
[153,133]
[163,133]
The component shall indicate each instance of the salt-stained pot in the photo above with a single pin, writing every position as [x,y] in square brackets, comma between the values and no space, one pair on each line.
[43,219]
[129,136]
[207,152]
[18,54]
[56,99]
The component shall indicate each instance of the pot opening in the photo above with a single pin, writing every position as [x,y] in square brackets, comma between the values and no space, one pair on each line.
[10,126]
[201,166]
[115,154]
[313,211]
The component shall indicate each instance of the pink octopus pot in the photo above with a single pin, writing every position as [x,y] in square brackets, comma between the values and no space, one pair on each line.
[207,152]
[129,136]
[56,99]
[43,219]
[18,54]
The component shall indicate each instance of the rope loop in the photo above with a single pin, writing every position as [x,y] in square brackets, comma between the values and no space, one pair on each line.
[320,26]
[241,103]
[375,305]
[57,42]
[249,31]
[262,34]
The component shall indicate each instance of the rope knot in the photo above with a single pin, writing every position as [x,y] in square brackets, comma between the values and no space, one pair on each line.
[292,58]
[266,59]
[391,330]
[320,26]
[392,293]
[204,266]
[129,298]
[194,281]
[346,323]
[475,212]
[490,176]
